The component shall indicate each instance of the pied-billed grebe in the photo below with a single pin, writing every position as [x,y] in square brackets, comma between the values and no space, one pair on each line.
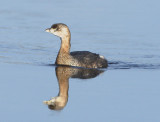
[78,58]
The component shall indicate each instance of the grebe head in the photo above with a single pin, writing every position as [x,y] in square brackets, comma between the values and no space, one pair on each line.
[61,30]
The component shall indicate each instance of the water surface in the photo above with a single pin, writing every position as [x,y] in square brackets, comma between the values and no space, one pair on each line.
[122,31]
[125,32]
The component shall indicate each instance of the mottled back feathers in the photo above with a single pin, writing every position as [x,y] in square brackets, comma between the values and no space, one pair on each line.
[89,59]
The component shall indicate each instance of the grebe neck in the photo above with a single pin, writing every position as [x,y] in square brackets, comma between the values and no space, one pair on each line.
[65,45]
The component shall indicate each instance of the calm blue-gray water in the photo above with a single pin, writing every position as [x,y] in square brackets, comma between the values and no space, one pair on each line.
[126,32]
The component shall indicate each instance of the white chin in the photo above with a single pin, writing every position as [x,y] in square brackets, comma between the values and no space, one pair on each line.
[47,30]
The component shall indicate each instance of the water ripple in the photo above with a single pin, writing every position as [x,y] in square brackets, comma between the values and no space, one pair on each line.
[131,65]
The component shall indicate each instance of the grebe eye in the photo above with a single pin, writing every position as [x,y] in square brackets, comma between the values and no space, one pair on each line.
[54,26]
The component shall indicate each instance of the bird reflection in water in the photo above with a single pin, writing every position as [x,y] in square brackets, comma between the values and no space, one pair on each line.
[63,74]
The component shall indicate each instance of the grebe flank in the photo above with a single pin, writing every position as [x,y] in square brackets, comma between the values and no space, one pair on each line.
[78,58]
